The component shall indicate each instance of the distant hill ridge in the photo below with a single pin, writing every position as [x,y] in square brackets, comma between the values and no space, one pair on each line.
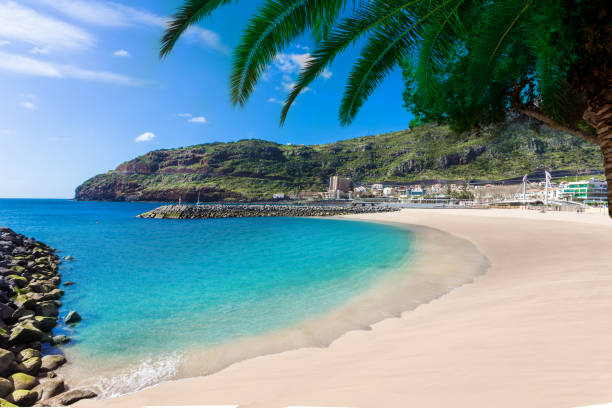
[255,169]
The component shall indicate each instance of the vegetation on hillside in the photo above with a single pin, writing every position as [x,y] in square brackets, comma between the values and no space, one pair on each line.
[255,169]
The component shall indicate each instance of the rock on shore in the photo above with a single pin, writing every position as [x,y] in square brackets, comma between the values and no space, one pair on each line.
[29,301]
[233,211]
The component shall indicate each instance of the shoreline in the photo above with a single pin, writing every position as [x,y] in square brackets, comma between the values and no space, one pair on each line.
[531,332]
[29,303]
[385,298]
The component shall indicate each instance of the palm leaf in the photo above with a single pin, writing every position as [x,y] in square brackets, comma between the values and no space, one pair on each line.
[385,49]
[346,33]
[190,13]
[277,24]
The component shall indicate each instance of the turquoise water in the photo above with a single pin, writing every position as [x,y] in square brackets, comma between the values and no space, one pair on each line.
[146,286]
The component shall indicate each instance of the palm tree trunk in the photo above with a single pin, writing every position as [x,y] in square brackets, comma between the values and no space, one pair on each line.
[601,119]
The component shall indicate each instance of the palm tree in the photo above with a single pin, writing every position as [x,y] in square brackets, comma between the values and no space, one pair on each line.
[466,61]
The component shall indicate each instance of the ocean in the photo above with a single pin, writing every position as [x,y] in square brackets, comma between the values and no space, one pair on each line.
[163,299]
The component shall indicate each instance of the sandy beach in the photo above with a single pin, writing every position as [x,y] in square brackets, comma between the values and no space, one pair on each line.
[534,331]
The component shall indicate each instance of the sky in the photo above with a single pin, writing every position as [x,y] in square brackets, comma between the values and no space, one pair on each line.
[82,89]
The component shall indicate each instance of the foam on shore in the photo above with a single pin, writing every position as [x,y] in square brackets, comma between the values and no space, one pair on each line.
[437,263]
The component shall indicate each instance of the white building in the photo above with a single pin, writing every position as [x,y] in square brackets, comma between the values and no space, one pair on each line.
[589,191]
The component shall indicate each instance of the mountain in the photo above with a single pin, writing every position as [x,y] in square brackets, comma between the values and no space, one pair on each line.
[255,169]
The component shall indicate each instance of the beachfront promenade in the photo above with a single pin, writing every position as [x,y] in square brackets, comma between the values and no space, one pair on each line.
[532,332]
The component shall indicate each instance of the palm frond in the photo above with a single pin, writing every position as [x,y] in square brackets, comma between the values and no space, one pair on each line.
[385,49]
[499,24]
[439,43]
[346,33]
[190,13]
[277,23]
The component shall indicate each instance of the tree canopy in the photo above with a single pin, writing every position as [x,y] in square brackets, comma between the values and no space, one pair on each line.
[466,62]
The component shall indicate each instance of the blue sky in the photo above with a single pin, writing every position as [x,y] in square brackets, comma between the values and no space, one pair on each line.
[82,90]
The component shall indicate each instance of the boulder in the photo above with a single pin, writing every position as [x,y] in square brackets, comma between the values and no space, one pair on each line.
[60,339]
[49,388]
[37,287]
[24,301]
[17,280]
[5,311]
[51,362]
[24,333]
[72,317]
[47,308]
[45,323]
[53,294]
[69,397]
[23,398]
[30,366]
[27,354]
[68,283]
[5,403]
[6,387]
[21,312]
[23,381]
[6,360]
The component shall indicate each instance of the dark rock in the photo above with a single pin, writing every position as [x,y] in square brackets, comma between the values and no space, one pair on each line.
[51,362]
[23,381]
[46,323]
[30,366]
[69,397]
[25,332]
[72,317]
[27,354]
[6,360]
[6,387]
[68,283]
[49,388]
[23,398]
[21,312]
[5,311]
[47,308]
[60,339]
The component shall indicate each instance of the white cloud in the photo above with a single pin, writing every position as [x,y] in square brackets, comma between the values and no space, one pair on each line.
[108,13]
[121,53]
[192,119]
[207,38]
[326,74]
[198,119]
[302,47]
[27,25]
[145,137]
[274,100]
[4,132]
[30,66]
[287,83]
[28,105]
[103,13]
[4,42]
[39,50]
[291,63]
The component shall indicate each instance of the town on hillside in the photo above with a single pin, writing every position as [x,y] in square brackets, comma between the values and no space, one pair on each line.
[562,194]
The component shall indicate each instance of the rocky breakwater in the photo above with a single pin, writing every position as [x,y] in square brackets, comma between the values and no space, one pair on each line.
[29,301]
[233,211]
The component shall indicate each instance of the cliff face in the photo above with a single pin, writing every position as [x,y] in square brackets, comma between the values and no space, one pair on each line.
[254,169]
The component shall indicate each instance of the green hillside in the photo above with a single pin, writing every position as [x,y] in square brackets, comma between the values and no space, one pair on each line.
[254,169]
